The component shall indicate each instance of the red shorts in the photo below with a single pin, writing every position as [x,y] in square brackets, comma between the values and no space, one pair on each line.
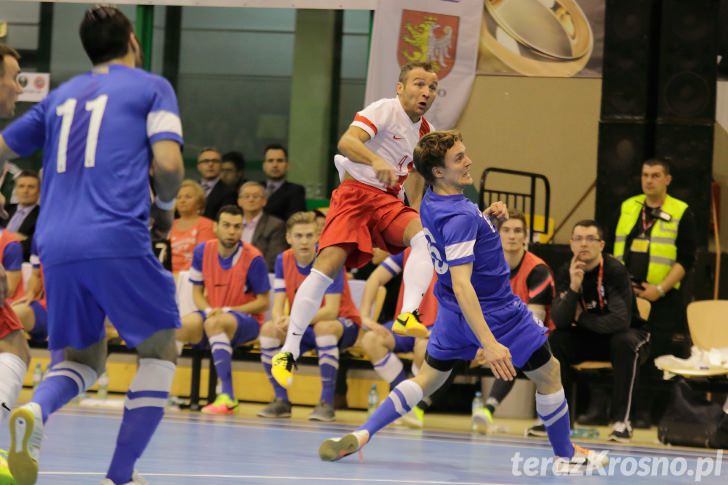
[9,322]
[362,217]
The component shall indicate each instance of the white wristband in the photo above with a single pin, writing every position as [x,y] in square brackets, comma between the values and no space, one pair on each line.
[165,206]
[226,309]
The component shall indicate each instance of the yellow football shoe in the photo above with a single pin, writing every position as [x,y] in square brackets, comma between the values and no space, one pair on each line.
[282,367]
[408,324]
[6,478]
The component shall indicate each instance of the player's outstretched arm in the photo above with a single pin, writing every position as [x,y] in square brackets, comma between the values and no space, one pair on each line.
[497,355]
[351,145]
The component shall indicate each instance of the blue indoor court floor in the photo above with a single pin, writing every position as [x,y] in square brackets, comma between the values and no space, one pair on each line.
[190,448]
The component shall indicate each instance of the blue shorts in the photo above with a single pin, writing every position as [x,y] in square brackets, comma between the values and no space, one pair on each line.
[247,330]
[401,344]
[137,294]
[351,332]
[513,326]
[40,329]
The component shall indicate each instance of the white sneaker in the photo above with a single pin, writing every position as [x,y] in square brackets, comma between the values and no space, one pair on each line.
[482,421]
[582,461]
[136,479]
[26,436]
[415,419]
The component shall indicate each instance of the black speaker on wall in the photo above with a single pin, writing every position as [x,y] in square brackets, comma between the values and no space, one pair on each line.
[688,60]
[623,146]
[689,150]
[629,59]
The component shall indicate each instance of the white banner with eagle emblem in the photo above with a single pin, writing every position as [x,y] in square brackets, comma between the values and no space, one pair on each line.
[444,32]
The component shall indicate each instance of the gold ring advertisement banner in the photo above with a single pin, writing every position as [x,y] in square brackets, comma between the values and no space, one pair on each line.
[444,32]
[550,38]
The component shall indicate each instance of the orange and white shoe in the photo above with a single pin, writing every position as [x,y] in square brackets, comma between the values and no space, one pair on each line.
[223,406]
[335,449]
[583,460]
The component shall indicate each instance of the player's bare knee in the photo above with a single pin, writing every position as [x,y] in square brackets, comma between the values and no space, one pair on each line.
[213,326]
[430,379]
[93,356]
[160,345]
[16,344]
[548,377]
[327,327]
[414,227]
[371,341]
[268,330]
[330,261]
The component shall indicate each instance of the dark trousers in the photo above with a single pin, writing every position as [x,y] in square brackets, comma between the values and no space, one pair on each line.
[626,350]
[668,336]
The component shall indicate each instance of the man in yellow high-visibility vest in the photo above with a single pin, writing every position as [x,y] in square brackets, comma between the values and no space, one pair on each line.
[655,239]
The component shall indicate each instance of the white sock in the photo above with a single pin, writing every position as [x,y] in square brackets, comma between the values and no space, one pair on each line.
[546,404]
[308,301]
[152,375]
[269,346]
[388,367]
[412,393]
[327,347]
[417,273]
[12,373]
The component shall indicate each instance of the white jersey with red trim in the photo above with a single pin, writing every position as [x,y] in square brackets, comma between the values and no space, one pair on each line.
[393,137]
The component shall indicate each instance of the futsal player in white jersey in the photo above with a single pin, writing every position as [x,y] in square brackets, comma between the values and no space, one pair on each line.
[367,209]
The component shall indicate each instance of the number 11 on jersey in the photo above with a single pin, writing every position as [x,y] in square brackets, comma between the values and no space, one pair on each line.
[66,111]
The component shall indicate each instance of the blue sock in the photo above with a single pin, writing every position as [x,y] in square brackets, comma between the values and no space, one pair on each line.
[56,357]
[269,347]
[390,369]
[143,410]
[222,354]
[327,347]
[63,382]
[554,412]
[399,402]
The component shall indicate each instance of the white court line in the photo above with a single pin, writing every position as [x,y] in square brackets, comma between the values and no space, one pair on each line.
[279,477]
[409,435]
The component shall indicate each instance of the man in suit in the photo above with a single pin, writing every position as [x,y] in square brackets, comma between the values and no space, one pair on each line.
[284,198]
[264,231]
[217,194]
[24,214]
[233,170]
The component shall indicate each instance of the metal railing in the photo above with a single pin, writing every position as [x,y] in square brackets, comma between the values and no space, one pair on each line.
[524,201]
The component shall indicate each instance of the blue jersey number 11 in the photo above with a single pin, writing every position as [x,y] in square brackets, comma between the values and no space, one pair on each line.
[66,111]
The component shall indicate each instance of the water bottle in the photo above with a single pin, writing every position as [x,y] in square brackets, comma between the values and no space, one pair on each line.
[37,375]
[372,400]
[477,403]
[103,389]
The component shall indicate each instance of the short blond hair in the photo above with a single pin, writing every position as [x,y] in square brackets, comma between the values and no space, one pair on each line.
[198,191]
[302,217]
